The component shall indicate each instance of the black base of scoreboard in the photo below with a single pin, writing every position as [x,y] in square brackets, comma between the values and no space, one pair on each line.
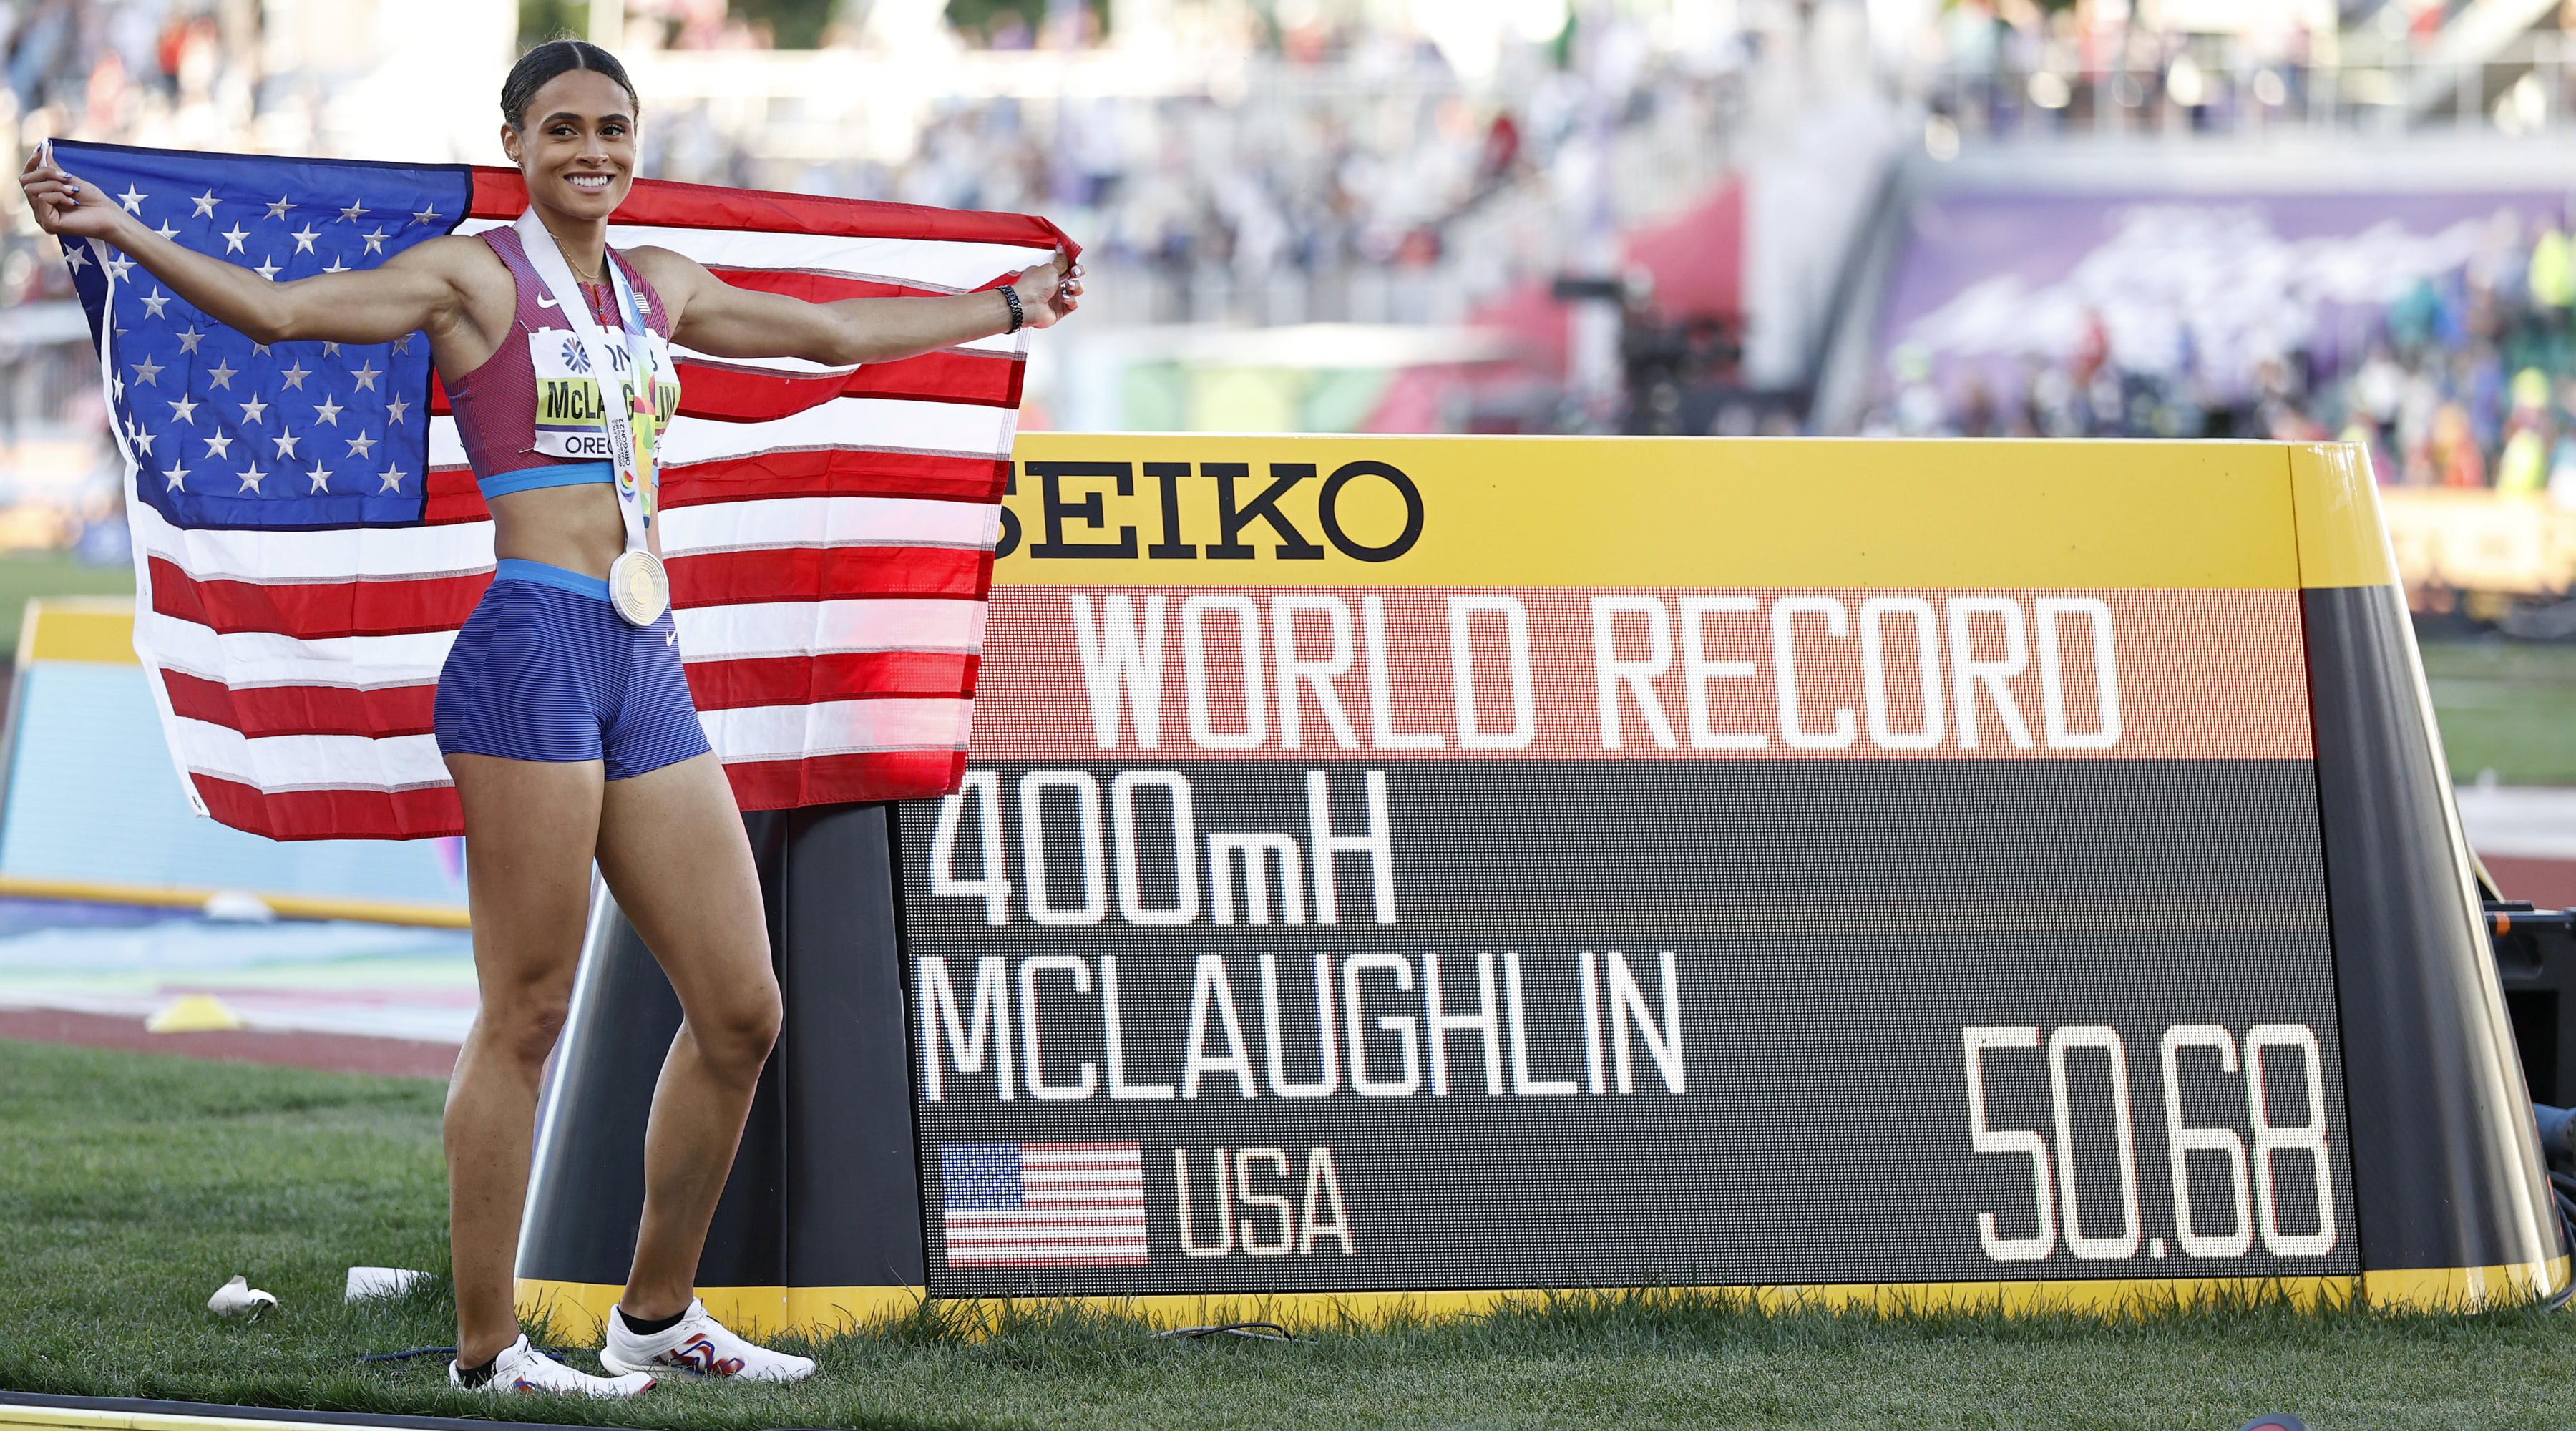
[2446,1172]
[822,1192]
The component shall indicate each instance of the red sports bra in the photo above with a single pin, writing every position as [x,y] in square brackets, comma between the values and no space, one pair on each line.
[494,405]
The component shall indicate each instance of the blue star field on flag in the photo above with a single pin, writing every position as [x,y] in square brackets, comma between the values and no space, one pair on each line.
[227,433]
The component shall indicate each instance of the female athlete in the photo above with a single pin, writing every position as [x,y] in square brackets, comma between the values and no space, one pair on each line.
[562,710]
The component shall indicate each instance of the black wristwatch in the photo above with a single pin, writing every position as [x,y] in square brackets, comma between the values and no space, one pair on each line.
[1019,317]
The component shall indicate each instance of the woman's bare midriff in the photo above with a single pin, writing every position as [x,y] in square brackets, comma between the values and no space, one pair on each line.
[576,528]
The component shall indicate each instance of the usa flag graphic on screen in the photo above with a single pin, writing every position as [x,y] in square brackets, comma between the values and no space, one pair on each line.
[1043,1204]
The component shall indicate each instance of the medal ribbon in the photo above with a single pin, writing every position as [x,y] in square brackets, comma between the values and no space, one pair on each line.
[630,417]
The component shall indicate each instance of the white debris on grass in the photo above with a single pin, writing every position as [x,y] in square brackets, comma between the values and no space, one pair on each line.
[365,1282]
[239,1300]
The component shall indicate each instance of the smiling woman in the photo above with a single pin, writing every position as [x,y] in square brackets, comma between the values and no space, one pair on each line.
[563,712]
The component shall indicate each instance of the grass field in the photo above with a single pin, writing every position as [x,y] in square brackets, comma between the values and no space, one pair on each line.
[131,1184]
[2506,706]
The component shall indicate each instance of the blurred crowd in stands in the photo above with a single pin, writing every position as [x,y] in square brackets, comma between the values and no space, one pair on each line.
[1289,161]
[2474,381]
[1411,204]
[1268,165]
[1341,171]
[1339,175]
[2023,68]
[2462,379]
[138,72]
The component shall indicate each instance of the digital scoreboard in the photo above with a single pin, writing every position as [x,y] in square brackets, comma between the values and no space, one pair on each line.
[1390,873]
[1393,865]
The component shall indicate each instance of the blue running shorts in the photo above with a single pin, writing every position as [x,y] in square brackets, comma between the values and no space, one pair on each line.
[545,669]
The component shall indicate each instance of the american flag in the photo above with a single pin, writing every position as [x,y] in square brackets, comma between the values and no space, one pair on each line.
[308,537]
[1042,1204]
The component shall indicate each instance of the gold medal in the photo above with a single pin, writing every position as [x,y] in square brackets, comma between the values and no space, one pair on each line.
[639,587]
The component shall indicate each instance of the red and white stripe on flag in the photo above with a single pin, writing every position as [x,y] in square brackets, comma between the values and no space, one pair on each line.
[829,533]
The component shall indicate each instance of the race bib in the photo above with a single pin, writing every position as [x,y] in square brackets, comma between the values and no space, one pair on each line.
[572,404]
[572,397]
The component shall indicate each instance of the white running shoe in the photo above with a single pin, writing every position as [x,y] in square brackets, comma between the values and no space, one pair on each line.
[524,1368]
[697,1346]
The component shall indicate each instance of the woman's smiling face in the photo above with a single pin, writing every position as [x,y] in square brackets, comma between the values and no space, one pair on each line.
[578,146]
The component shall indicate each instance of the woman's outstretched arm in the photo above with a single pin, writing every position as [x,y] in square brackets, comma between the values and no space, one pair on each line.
[417,289]
[723,321]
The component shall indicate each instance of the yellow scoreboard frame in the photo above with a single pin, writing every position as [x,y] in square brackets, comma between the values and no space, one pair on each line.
[2253,589]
